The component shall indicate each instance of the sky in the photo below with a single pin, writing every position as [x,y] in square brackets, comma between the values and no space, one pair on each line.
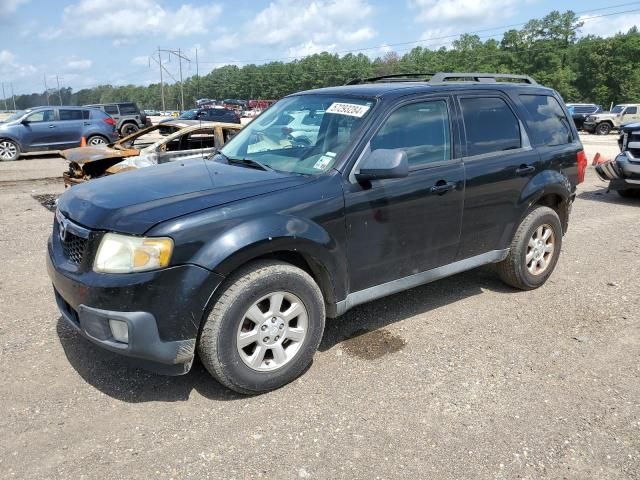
[84,43]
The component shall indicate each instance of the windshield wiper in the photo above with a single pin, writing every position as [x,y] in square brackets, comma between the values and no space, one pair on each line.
[249,163]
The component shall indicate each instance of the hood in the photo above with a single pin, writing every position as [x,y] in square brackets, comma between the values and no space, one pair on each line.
[96,160]
[604,115]
[630,127]
[136,201]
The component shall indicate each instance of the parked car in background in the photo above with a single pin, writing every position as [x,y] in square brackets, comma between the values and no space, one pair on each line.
[216,114]
[54,128]
[623,172]
[239,259]
[151,113]
[173,140]
[580,111]
[127,115]
[604,122]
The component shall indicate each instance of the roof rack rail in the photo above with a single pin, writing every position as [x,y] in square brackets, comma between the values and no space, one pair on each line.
[443,77]
[396,77]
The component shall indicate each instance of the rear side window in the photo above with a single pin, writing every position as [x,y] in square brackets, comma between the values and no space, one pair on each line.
[548,124]
[490,125]
[420,129]
[86,114]
[70,114]
[128,109]
[111,109]
[584,109]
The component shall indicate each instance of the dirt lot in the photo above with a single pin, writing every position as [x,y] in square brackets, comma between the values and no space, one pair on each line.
[463,378]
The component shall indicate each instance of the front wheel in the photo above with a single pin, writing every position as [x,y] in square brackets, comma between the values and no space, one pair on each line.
[603,129]
[534,250]
[9,150]
[264,327]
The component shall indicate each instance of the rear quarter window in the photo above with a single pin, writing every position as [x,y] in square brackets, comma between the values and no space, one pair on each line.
[111,109]
[547,124]
[128,109]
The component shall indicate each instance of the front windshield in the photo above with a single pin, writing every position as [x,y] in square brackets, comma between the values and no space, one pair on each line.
[300,134]
[189,114]
[15,116]
[617,109]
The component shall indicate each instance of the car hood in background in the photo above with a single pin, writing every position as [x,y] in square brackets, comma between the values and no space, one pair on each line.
[96,160]
[136,201]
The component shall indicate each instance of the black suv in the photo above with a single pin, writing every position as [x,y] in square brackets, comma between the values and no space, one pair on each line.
[208,115]
[240,257]
[127,115]
[580,111]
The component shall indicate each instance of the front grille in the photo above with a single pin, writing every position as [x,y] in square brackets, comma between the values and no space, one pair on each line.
[73,247]
[73,238]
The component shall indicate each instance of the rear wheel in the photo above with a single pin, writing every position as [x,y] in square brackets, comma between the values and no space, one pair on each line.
[628,193]
[264,328]
[9,150]
[534,250]
[128,129]
[96,140]
[603,128]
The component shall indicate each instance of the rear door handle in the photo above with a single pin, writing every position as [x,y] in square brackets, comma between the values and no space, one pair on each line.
[52,126]
[525,170]
[442,187]
[87,124]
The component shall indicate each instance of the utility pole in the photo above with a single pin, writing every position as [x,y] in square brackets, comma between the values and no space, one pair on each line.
[14,97]
[59,94]
[46,89]
[5,98]
[161,81]
[197,77]
[181,83]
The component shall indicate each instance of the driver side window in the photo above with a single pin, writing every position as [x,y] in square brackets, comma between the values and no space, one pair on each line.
[420,129]
[41,116]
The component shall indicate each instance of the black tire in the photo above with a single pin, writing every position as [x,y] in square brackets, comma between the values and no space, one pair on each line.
[128,129]
[629,193]
[217,345]
[603,128]
[95,140]
[513,269]
[9,150]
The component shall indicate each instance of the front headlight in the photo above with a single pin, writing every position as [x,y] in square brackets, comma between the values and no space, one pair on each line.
[127,254]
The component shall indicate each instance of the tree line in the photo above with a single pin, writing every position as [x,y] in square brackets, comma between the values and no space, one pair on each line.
[582,68]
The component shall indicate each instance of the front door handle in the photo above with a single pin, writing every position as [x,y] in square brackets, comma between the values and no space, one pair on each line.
[442,187]
[52,126]
[525,170]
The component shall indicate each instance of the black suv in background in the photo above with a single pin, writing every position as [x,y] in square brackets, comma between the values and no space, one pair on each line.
[239,258]
[215,114]
[580,111]
[129,119]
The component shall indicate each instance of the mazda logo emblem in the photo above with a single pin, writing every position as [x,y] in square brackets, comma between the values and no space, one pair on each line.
[62,227]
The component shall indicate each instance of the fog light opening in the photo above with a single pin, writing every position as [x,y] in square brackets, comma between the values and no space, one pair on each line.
[119,330]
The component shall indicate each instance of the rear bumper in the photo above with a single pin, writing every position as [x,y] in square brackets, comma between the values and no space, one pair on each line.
[162,309]
[622,173]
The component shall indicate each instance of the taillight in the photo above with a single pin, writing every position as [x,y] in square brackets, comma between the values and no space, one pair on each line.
[109,121]
[582,165]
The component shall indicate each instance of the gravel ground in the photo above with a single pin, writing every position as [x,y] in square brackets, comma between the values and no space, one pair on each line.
[462,378]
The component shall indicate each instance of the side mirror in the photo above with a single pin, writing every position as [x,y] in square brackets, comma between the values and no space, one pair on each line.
[384,163]
[25,121]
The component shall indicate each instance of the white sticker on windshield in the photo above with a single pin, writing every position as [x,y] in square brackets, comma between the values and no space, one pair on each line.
[351,109]
[324,161]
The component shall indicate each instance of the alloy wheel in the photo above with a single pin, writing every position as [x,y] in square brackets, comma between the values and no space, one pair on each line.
[540,249]
[8,150]
[272,331]
[97,141]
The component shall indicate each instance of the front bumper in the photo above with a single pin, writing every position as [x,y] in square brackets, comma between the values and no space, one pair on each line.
[589,126]
[162,309]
